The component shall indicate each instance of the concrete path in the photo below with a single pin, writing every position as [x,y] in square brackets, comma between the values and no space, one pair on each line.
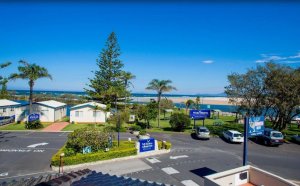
[55,127]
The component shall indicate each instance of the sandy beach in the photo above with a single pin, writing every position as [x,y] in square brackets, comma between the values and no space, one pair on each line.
[203,100]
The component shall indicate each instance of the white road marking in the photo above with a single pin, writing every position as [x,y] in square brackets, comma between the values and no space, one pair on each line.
[177,157]
[22,150]
[153,160]
[170,170]
[37,144]
[4,174]
[189,183]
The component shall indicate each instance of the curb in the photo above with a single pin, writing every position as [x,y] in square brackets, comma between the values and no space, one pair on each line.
[71,167]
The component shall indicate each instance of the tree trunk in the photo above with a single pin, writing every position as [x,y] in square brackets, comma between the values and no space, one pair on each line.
[158,101]
[31,83]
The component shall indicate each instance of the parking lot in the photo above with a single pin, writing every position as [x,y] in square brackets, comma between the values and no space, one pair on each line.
[189,160]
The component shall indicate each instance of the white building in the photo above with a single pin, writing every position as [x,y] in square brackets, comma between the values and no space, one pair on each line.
[88,113]
[50,111]
[12,109]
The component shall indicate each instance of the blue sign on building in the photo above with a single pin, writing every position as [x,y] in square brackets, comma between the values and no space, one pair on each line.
[33,117]
[147,145]
[199,114]
[256,126]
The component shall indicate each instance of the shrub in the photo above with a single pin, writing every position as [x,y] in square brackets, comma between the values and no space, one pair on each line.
[179,121]
[33,124]
[168,145]
[136,128]
[88,136]
[126,149]
[143,132]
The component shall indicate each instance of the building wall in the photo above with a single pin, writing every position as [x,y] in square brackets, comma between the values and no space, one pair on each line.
[86,115]
[21,113]
[7,111]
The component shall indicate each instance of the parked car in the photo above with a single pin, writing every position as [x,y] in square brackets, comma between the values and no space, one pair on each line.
[202,132]
[272,137]
[233,136]
[296,138]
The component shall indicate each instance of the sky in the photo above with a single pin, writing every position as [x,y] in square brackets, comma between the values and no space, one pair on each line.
[196,45]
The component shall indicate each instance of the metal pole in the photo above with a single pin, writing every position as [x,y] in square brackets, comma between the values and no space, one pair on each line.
[194,124]
[118,130]
[245,151]
[203,122]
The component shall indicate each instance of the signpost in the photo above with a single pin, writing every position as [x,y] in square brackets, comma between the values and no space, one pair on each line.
[253,126]
[86,150]
[33,117]
[147,145]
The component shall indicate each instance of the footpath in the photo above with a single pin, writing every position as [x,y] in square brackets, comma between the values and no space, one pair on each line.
[55,127]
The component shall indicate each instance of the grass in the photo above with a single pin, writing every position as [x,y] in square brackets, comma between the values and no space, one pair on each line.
[20,126]
[72,127]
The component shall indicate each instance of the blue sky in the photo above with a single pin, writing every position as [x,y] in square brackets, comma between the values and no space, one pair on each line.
[196,45]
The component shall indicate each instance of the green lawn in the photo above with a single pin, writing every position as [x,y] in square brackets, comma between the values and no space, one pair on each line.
[20,126]
[72,127]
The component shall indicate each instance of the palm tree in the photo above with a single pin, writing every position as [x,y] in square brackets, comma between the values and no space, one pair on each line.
[30,72]
[126,77]
[188,103]
[197,102]
[160,86]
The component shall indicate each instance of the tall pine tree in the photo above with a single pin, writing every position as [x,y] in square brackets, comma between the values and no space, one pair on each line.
[108,83]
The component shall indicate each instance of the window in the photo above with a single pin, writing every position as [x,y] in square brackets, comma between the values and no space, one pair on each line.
[12,109]
[78,113]
[96,114]
[4,109]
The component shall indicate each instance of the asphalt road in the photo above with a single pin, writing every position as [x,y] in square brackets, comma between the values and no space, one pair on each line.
[191,159]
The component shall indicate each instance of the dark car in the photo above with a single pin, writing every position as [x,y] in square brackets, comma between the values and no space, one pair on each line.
[272,137]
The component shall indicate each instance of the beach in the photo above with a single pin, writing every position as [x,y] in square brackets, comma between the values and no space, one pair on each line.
[203,100]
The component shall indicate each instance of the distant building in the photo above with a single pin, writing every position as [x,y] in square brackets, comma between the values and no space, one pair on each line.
[50,111]
[90,112]
[11,109]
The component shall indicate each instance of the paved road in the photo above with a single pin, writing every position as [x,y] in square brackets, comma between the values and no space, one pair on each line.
[19,159]
[192,158]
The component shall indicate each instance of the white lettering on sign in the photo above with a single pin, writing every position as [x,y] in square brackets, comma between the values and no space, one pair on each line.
[22,150]
[37,144]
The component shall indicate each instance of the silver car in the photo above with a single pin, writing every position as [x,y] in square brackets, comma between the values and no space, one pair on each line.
[202,132]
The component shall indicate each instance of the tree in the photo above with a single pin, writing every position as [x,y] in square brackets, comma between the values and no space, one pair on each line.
[4,94]
[198,102]
[188,103]
[110,81]
[160,86]
[166,104]
[147,112]
[30,72]
[179,121]
[271,90]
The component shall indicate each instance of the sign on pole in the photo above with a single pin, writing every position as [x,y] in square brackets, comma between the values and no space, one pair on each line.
[33,117]
[86,150]
[147,144]
[256,126]
[198,114]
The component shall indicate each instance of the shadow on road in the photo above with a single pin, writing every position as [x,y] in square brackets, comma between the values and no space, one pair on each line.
[204,171]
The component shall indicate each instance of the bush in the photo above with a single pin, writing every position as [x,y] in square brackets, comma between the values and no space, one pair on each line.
[33,124]
[168,145]
[179,121]
[143,132]
[88,136]
[136,128]
[126,149]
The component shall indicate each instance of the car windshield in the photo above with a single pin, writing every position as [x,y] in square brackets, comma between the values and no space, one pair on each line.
[237,135]
[276,134]
[203,130]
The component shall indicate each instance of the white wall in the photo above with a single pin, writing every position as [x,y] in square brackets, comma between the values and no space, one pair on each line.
[46,113]
[20,113]
[60,113]
[87,116]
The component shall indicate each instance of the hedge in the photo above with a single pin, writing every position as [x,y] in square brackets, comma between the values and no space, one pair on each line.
[125,149]
[168,145]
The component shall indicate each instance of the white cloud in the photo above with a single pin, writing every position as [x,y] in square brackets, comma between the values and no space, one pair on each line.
[279,59]
[208,61]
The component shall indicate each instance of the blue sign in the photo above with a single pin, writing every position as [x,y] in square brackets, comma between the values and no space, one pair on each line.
[33,117]
[86,150]
[199,114]
[256,126]
[147,144]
